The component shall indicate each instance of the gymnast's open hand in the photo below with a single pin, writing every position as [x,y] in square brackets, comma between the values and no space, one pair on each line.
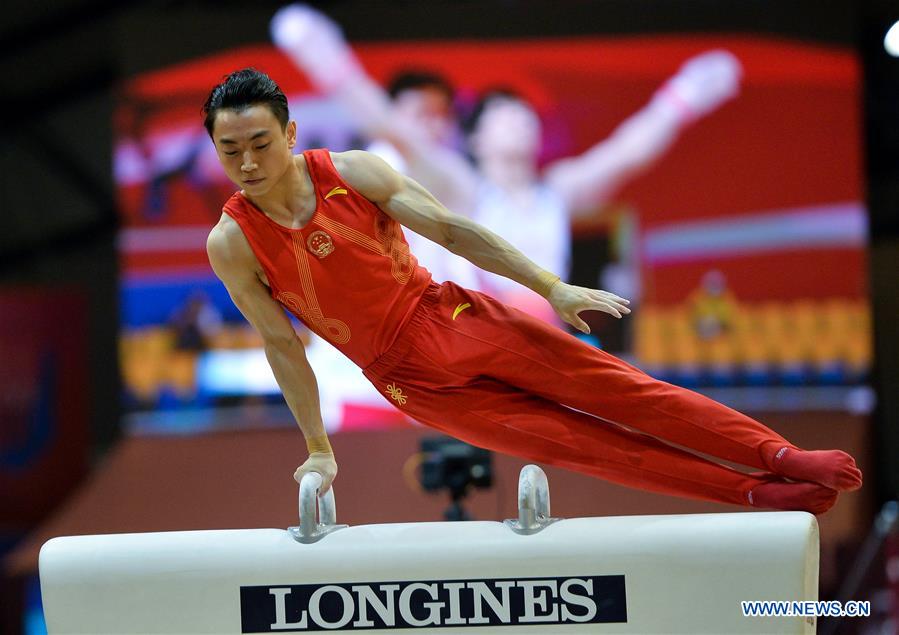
[324,464]
[568,300]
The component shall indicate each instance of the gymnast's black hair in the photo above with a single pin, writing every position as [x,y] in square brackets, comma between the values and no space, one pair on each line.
[242,89]
[418,80]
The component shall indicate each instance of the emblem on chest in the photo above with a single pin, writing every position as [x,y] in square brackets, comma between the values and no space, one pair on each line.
[320,243]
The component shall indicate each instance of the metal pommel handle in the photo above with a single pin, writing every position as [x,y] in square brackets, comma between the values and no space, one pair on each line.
[533,502]
[315,526]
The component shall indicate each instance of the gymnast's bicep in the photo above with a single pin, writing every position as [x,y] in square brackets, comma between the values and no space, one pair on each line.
[398,196]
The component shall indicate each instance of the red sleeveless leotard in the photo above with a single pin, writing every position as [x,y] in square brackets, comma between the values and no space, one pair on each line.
[348,274]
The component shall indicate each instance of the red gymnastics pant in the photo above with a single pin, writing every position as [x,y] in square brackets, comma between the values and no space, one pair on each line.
[500,379]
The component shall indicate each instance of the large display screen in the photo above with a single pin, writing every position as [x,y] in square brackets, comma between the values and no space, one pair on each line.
[739,233]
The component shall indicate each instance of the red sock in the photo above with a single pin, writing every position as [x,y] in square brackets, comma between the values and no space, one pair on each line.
[832,468]
[807,497]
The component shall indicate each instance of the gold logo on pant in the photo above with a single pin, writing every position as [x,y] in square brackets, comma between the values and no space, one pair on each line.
[396,394]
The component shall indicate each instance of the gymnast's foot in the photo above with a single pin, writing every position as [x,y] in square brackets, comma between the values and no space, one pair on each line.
[832,468]
[806,497]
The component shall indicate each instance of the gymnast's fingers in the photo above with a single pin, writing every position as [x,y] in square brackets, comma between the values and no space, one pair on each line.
[606,307]
[607,296]
[611,300]
[574,320]
[614,299]
[327,479]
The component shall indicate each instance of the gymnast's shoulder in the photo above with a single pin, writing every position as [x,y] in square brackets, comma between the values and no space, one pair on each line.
[367,173]
[227,247]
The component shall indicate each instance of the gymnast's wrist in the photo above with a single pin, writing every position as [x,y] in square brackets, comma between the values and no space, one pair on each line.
[545,282]
[319,443]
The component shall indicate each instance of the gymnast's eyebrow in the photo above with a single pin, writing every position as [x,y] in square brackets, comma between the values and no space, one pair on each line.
[261,133]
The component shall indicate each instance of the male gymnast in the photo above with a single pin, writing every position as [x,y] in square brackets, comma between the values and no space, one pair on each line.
[319,234]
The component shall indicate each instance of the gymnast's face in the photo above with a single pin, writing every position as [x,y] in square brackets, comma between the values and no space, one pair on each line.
[508,129]
[253,148]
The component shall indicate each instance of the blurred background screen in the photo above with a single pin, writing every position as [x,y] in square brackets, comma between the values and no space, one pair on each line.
[742,246]
[732,168]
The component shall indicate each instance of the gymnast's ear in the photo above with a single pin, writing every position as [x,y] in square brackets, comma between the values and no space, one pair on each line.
[291,132]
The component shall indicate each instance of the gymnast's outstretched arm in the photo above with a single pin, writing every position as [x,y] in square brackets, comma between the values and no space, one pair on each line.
[234,263]
[413,206]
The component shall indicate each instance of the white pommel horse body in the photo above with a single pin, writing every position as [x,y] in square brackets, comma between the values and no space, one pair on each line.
[534,574]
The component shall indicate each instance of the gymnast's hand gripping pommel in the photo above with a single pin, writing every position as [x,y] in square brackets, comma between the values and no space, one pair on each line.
[321,460]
